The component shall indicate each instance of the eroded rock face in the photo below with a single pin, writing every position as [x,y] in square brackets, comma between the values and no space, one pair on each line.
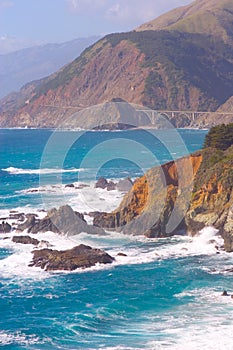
[212,198]
[147,208]
[81,256]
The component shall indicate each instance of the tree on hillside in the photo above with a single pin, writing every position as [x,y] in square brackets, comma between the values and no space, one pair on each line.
[220,137]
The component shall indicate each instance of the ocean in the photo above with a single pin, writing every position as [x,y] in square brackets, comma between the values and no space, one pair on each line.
[164,294]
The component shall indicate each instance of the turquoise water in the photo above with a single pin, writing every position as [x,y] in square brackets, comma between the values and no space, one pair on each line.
[165,294]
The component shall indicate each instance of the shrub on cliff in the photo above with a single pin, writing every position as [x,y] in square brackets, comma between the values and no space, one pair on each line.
[220,137]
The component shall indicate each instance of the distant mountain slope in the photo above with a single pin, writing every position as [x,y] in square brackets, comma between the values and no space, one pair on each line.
[177,68]
[20,67]
[214,17]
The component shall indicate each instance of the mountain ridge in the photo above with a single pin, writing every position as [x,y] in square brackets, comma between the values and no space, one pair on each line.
[160,69]
[22,66]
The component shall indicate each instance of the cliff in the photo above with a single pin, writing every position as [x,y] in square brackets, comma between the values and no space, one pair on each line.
[178,197]
[172,66]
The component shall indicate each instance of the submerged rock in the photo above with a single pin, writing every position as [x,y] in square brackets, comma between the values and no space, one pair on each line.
[81,256]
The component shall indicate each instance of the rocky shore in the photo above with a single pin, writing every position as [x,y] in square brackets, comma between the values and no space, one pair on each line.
[177,198]
[62,221]
[149,207]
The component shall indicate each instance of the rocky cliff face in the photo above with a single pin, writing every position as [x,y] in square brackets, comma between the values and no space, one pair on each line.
[158,206]
[212,198]
[150,205]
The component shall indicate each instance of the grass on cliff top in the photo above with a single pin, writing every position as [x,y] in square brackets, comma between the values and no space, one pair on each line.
[217,157]
[220,137]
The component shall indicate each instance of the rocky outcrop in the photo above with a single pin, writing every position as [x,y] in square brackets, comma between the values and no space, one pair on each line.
[186,195]
[62,221]
[81,256]
[148,207]
[212,198]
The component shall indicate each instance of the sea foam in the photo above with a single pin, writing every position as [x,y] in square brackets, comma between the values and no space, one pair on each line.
[20,171]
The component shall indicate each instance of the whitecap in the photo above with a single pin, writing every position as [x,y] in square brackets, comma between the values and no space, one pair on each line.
[20,171]
[7,338]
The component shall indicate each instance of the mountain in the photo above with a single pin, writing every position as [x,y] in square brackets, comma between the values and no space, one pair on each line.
[20,67]
[185,62]
[213,17]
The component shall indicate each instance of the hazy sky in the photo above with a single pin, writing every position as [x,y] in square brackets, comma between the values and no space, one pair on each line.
[27,22]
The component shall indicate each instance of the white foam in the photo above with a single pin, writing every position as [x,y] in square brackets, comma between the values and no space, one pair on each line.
[81,197]
[20,171]
[17,338]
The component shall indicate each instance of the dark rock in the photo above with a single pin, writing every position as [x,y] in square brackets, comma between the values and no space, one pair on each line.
[101,183]
[17,216]
[121,254]
[111,186]
[106,220]
[28,224]
[81,256]
[81,216]
[224,293]
[69,185]
[81,186]
[25,240]
[31,214]
[43,225]
[5,227]
[92,214]
[105,184]
[125,185]
[63,221]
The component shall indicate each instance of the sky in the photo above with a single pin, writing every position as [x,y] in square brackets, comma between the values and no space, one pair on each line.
[25,23]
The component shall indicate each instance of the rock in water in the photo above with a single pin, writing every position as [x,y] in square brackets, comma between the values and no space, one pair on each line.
[5,227]
[105,184]
[81,256]
[101,183]
[63,221]
[28,224]
[25,240]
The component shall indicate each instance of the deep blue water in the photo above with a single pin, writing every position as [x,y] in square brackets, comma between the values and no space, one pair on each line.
[166,294]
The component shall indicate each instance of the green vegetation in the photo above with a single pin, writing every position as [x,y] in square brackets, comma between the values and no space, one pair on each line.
[216,163]
[220,137]
[217,156]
